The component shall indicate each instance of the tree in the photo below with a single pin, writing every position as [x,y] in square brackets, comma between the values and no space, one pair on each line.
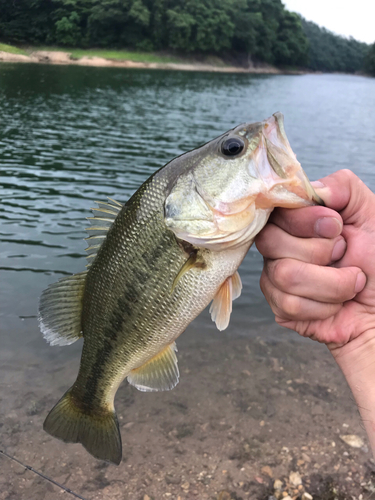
[292,45]
[68,31]
[25,21]
[260,30]
[330,52]
[370,60]
[180,26]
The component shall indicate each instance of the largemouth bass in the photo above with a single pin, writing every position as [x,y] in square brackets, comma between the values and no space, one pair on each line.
[156,263]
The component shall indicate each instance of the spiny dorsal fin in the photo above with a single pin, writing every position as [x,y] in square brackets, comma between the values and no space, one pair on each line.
[60,310]
[101,222]
[160,373]
[221,307]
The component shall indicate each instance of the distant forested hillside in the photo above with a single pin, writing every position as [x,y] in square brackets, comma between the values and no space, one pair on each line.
[257,30]
[330,52]
[370,60]
[260,28]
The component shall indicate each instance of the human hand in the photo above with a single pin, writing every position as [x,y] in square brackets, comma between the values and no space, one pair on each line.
[317,261]
[319,278]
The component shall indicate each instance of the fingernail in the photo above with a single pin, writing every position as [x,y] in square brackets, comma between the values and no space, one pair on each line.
[360,283]
[338,250]
[317,184]
[328,227]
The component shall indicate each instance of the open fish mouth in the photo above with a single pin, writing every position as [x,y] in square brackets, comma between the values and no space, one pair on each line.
[228,196]
[283,171]
[277,178]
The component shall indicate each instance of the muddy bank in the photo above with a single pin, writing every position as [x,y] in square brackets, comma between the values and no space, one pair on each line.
[252,418]
[64,58]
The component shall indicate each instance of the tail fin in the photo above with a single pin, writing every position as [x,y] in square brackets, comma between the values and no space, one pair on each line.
[98,431]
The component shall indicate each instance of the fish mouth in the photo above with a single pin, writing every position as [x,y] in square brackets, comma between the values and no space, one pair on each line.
[286,181]
[278,179]
[230,212]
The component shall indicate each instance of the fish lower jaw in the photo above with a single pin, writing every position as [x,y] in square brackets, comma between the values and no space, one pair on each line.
[293,196]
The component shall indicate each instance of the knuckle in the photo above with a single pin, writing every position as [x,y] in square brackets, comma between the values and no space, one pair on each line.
[338,335]
[264,240]
[261,241]
[350,177]
[271,293]
[291,305]
[321,252]
[344,286]
[263,283]
[284,273]
[347,173]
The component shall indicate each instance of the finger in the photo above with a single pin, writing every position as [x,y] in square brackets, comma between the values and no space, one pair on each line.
[345,192]
[274,243]
[294,308]
[319,283]
[308,222]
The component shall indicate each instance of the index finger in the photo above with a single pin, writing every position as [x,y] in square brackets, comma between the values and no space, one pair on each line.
[308,222]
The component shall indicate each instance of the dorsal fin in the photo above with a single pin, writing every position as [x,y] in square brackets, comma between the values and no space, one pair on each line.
[101,222]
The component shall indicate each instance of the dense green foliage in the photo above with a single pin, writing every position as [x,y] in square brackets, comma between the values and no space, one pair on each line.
[330,52]
[370,60]
[261,30]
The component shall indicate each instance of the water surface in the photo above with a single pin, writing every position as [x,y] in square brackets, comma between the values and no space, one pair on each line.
[73,135]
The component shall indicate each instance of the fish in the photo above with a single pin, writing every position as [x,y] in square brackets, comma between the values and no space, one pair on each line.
[155,263]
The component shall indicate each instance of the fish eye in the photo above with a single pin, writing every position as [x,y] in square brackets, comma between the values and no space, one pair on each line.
[232,146]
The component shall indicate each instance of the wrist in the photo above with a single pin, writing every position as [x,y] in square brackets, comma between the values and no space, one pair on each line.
[357,357]
[357,362]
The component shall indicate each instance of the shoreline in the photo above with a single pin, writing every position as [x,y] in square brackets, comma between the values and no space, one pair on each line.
[65,58]
[251,418]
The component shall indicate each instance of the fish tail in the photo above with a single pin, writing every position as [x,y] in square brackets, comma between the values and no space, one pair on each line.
[97,430]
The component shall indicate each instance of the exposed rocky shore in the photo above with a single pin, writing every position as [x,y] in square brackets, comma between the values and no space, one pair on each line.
[65,58]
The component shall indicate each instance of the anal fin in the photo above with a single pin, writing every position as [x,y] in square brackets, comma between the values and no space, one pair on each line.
[221,307]
[160,373]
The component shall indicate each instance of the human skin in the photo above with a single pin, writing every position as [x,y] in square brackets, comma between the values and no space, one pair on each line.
[319,279]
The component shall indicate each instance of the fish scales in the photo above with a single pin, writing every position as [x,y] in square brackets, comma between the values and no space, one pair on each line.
[174,247]
[135,287]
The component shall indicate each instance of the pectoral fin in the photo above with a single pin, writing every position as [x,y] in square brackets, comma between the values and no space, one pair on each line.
[221,306]
[236,285]
[193,261]
[160,373]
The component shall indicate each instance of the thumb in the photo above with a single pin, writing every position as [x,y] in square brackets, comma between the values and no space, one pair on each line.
[346,193]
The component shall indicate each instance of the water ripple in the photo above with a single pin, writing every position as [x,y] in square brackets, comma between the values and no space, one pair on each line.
[71,135]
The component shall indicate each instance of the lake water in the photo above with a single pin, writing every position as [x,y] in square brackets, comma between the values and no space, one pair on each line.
[69,136]
[72,135]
